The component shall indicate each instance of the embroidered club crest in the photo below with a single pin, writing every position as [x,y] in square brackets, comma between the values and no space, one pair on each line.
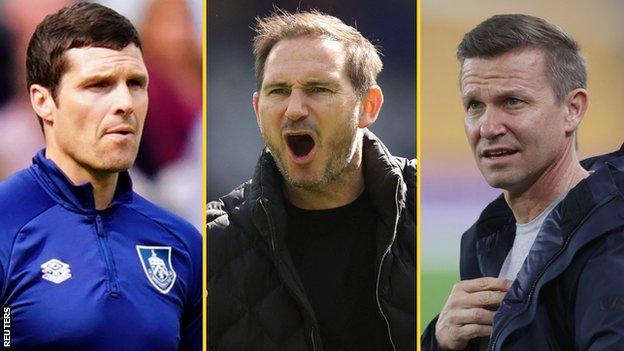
[156,262]
[55,271]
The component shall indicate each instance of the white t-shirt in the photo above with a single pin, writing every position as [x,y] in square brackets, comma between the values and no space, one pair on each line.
[525,237]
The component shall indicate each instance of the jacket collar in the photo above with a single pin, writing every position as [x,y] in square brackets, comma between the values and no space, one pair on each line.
[383,179]
[497,220]
[78,198]
[496,225]
[588,212]
[595,162]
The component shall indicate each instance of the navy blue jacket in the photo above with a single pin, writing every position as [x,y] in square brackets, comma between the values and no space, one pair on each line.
[569,294]
[75,278]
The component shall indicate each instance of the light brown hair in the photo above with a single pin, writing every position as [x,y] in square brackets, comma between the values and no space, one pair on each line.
[500,34]
[363,63]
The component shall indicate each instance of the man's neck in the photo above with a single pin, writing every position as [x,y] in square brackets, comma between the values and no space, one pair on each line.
[340,192]
[554,182]
[104,183]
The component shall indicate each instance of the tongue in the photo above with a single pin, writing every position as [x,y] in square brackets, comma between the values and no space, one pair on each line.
[301,145]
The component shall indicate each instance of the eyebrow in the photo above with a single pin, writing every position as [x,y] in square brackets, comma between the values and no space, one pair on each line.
[310,83]
[142,78]
[471,95]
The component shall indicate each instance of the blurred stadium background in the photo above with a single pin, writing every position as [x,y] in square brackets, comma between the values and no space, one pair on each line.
[234,142]
[168,168]
[453,191]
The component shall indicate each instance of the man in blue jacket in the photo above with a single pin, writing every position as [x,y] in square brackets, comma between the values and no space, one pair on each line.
[86,263]
[542,266]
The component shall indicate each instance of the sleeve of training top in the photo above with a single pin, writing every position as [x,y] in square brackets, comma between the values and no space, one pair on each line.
[599,303]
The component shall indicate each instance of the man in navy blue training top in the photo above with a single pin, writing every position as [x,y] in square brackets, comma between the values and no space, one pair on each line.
[86,263]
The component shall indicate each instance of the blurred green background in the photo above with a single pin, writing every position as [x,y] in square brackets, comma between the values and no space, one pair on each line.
[439,286]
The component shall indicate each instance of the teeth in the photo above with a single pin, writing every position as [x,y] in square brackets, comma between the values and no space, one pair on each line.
[498,153]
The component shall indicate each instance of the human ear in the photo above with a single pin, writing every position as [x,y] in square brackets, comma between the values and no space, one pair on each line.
[372,100]
[576,103]
[254,102]
[42,102]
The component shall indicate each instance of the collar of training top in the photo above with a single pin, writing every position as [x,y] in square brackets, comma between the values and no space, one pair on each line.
[76,197]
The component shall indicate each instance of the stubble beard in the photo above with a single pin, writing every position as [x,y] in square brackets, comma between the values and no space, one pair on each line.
[102,163]
[340,162]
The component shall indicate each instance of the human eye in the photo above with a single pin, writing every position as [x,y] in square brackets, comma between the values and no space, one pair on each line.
[98,85]
[136,83]
[278,91]
[513,102]
[318,89]
[473,107]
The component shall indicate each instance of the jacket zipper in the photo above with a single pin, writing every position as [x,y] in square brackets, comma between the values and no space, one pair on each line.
[534,285]
[102,239]
[274,251]
[312,338]
[396,224]
[271,239]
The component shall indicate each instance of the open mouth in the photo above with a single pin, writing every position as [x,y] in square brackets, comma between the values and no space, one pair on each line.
[499,153]
[300,144]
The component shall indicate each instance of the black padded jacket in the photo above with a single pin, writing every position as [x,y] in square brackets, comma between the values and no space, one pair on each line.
[256,300]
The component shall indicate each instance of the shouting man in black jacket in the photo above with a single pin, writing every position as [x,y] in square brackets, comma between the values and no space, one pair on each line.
[317,251]
[542,267]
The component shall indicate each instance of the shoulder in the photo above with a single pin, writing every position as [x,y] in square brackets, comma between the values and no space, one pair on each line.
[407,166]
[20,183]
[595,162]
[409,171]
[235,204]
[21,200]
[168,221]
[231,232]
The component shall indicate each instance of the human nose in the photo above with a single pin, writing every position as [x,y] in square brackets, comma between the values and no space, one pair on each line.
[122,101]
[297,108]
[492,125]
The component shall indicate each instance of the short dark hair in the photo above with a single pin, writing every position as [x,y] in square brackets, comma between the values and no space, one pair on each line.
[76,26]
[363,63]
[500,34]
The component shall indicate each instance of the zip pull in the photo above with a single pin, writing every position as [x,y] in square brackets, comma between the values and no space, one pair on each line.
[111,272]
[99,227]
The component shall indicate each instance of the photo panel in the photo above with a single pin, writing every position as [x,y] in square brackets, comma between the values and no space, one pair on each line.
[245,280]
[101,174]
[453,190]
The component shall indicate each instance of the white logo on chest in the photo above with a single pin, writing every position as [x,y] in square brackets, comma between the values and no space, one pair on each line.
[55,271]
[156,262]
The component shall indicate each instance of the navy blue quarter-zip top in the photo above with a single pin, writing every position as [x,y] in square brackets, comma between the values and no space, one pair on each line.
[75,278]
